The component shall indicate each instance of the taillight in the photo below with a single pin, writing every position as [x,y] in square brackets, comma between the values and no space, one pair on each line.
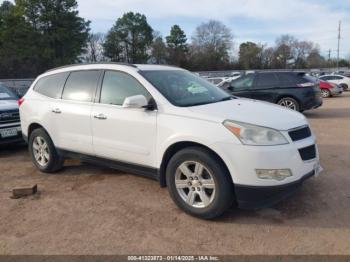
[20,101]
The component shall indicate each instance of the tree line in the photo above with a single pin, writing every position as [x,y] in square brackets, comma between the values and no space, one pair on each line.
[36,35]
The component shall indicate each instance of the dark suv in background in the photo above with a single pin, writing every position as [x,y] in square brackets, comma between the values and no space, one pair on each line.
[294,90]
[10,126]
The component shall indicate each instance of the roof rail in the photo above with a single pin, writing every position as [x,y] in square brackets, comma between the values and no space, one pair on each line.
[99,63]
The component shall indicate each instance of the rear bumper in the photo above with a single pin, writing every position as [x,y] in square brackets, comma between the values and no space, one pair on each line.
[313,103]
[254,197]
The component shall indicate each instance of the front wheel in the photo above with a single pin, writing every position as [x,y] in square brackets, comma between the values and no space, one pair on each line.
[43,152]
[325,93]
[199,184]
[290,103]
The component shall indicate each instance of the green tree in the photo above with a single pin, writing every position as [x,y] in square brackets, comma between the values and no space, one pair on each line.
[177,46]
[129,39]
[36,35]
[159,50]
[19,50]
[250,56]
[63,33]
[315,59]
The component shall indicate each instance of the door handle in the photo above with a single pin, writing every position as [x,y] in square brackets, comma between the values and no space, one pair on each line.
[56,111]
[100,116]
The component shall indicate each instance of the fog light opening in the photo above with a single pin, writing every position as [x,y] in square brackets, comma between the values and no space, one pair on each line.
[275,174]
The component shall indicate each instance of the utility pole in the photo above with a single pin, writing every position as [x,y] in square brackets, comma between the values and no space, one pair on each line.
[329,54]
[338,45]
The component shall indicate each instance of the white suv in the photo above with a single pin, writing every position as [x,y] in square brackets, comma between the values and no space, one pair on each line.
[210,149]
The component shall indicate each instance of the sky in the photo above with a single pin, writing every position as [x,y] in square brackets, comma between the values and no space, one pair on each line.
[250,20]
[260,21]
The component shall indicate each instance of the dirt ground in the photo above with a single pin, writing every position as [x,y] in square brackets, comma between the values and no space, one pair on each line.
[92,210]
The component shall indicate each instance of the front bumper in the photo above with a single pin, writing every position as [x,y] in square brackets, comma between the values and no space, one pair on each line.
[242,162]
[253,197]
[13,139]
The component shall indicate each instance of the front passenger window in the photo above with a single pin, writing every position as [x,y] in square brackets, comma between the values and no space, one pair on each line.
[117,86]
[242,83]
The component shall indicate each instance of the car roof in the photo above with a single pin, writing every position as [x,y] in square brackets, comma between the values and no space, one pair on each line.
[148,67]
[111,65]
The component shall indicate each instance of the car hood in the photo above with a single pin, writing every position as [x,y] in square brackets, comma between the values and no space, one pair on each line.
[252,112]
[8,105]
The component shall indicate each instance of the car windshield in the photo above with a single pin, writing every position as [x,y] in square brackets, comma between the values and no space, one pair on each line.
[6,93]
[183,88]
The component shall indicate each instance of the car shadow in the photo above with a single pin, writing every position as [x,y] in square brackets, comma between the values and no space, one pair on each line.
[12,149]
[322,113]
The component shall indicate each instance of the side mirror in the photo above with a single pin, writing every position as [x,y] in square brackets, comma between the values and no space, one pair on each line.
[138,101]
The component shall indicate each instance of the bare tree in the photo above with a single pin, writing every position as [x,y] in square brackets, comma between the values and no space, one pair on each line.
[212,43]
[94,51]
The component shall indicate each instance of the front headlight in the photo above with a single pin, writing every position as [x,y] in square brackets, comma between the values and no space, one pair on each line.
[255,135]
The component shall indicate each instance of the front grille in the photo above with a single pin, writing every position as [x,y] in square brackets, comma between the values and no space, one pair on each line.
[9,117]
[308,153]
[299,134]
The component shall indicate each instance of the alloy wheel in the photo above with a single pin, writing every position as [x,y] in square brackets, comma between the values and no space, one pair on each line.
[324,93]
[41,151]
[288,103]
[195,184]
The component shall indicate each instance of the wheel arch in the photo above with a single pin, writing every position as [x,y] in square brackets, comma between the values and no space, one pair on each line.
[176,147]
[34,126]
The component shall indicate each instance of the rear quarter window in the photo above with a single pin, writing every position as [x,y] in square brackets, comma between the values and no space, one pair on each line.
[291,79]
[52,85]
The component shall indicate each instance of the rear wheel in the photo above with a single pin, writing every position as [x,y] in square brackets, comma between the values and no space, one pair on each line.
[344,86]
[43,152]
[290,103]
[198,183]
[325,93]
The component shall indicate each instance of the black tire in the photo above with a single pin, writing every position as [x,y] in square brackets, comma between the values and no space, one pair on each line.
[344,86]
[224,196]
[55,161]
[290,103]
[325,93]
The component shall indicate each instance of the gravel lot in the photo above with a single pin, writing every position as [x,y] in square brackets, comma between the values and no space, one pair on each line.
[92,210]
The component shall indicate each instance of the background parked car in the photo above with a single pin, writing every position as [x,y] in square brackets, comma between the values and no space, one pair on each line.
[340,80]
[330,89]
[10,130]
[18,86]
[289,89]
[223,82]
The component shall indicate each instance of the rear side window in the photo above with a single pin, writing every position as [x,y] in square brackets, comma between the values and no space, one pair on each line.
[291,79]
[81,85]
[51,85]
[325,78]
[117,86]
[266,80]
